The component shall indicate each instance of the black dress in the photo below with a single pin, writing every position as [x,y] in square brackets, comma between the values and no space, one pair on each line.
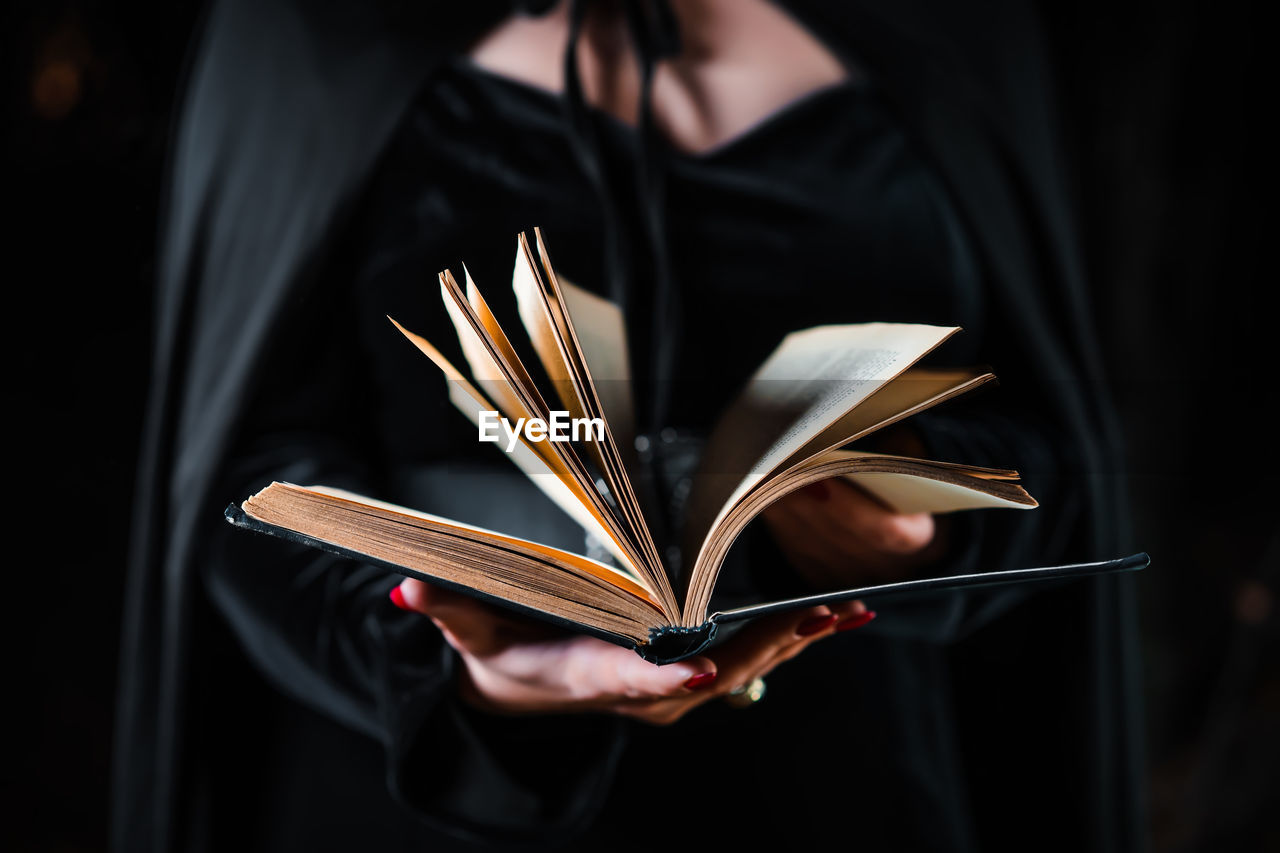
[346,732]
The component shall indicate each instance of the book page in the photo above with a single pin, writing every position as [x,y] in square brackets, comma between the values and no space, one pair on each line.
[498,378]
[890,476]
[539,322]
[615,473]
[908,492]
[547,474]
[602,334]
[499,338]
[509,571]
[611,574]
[544,316]
[810,382]
[914,391]
[543,311]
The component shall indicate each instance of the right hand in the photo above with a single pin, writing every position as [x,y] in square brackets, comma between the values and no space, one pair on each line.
[518,666]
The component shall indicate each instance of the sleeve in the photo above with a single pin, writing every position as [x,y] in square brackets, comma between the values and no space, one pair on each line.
[323,630]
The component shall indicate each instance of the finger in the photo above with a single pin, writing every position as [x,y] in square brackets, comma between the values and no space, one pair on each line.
[848,608]
[874,524]
[437,601]
[468,625]
[635,678]
[757,647]
[844,616]
[852,614]
[752,653]
[855,616]
[583,673]
[847,616]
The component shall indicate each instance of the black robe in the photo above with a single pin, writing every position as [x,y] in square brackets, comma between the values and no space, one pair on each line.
[288,108]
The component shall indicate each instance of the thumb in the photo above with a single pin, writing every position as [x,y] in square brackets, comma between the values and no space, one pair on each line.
[637,678]
[468,625]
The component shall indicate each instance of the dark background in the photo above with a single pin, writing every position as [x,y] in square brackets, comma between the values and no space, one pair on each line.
[1165,105]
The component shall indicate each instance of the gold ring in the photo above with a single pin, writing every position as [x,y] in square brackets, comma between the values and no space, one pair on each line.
[746,695]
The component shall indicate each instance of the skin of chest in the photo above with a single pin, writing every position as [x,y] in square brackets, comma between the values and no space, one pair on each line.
[740,61]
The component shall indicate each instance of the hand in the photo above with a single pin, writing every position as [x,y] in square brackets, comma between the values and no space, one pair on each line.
[517,666]
[836,536]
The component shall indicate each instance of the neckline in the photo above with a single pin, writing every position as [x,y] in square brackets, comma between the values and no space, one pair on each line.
[762,127]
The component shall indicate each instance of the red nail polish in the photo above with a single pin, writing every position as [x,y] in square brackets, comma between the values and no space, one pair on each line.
[397,598]
[856,621]
[702,679]
[816,624]
[819,491]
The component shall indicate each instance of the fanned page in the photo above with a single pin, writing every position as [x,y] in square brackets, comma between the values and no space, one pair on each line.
[813,379]
[602,333]
[805,456]
[547,473]
[543,310]
[823,373]
[506,378]
[903,483]
[916,485]
[575,493]
[608,512]
[912,391]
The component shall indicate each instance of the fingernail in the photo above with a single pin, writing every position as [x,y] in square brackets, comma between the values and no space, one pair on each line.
[856,621]
[816,624]
[819,491]
[702,679]
[397,598]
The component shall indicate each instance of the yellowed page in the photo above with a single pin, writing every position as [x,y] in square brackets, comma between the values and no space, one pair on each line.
[514,401]
[615,576]
[499,338]
[995,482]
[543,318]
[812,380]
[915,390]
[553,334]
[602,334]
[537,321]
[911,493]
[562,489]
[499,378]
[613,464]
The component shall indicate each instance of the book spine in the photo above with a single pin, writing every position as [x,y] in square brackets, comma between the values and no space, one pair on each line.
[670,644]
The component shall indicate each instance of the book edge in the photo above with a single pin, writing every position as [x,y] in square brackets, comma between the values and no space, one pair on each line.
[1131,563]
[237,517]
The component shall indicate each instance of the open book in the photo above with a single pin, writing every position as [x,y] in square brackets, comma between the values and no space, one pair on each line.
[820,390]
